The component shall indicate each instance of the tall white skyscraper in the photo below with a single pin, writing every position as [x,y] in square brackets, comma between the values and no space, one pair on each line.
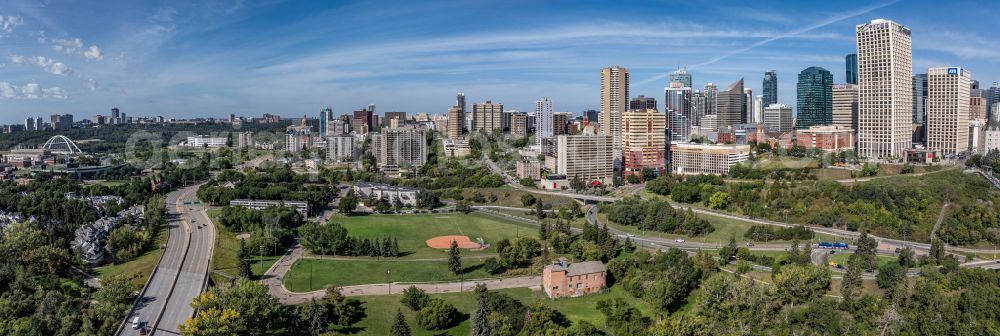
[947,109]
[885,77]
[543,119]
[758,109]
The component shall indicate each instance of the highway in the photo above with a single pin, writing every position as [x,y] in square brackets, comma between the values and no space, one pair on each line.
[182,272]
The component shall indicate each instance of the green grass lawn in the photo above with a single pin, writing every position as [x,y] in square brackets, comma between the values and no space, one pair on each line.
[412,231]
[138,269]
[360,272]
[841,258]
[381,310]
[224,262]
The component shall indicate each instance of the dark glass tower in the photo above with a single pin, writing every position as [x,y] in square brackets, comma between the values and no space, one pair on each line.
[770,88]
[815,98]
[919,98]
[852,68]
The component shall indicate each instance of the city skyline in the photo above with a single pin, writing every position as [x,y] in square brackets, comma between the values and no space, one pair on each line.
[268,58]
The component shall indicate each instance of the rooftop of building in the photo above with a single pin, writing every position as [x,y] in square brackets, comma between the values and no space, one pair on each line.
[580,268]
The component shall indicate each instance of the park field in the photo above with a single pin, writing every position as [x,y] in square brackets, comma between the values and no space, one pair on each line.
[412,231]
[841,258]
[381,310]
[314,274]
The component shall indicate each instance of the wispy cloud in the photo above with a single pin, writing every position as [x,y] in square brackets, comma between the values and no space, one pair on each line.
[9,23]
[789,34]
[30,91]
[74,46]
[47,64]
[965,45]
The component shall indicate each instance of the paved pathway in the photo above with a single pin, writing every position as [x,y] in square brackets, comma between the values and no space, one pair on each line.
[276,287]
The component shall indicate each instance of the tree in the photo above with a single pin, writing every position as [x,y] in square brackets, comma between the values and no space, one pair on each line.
[906,258]
[851,284]
[865,253]
[798,284]
[454,258]
[348,203]
[890,275]
[528,199]
[400,328]
[539,210]
[719,200]
[480,324]
[527,182]
[243,309]
[243,261]
[937,251]
[316,318]
[414,298]
[437,315]
[729,251]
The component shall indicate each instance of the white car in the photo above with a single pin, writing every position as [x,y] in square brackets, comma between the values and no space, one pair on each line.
[679,240]
[631,235]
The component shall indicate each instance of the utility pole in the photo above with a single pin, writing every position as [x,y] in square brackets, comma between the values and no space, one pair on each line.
[387,280]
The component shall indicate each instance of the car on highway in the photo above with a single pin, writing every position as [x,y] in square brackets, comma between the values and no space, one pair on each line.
[136,323]
[679,240]
[749,244]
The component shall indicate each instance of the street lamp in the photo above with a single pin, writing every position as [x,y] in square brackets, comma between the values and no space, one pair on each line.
[387,280]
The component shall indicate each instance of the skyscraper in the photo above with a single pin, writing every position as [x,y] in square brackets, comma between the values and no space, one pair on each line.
[698,106]
[920,99]
[711,99]
[778,117]
[770,88]
[747,105]
[677,102]
[642,103]
[851,63]
[992,97]
[681,76]
[543,120]
[885,76]
[814,97]
[731,104]
[614,101]
[456,122]
[948,109]
[758,109]
[325,116]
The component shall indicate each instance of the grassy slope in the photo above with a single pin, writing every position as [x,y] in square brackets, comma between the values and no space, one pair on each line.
[347,273]
[224,262]
[138,269]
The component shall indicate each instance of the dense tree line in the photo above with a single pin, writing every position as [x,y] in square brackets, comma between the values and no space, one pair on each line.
[770,232]
[454,173]
[333,239]
[276,183]
[898,207]
[656,215]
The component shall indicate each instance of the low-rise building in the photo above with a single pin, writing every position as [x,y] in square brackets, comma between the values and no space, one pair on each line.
[392,194]
[562,278]
[90,238]
[828,138]
[706,159]
[529,169]
[207,141]
[300,207]
[455,147]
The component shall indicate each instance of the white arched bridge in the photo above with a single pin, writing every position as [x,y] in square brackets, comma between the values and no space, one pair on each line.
[60,144]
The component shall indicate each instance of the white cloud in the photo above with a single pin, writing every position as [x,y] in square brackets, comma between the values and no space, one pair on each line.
[8,23]
[73,46]
[93,53]
[31,91]
[92,84]
[49,65]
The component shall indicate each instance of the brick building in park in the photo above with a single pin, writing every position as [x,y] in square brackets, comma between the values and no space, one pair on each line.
[561,278]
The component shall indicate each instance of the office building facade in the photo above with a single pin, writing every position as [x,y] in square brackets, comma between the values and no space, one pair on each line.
[885,102]
[845,106]
[731,105]
[642,103]
[706,159]
[779,117]
[851,63]
[814,98]
[680,76]
[487,117]
[643,141]
[770,88]
[947,109]
[613,101]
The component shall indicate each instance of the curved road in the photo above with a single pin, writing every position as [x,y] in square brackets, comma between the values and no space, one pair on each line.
[182,273]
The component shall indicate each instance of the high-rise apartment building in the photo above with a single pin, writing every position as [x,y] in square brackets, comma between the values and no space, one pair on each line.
[543,120]
[561,122]
[340,147]
[731,104]
[779,117]
[642,103]
[61,121]
[244,140]
[681,76]
[29,124]
[362,121]
[325,117]
[398,150]
[586,156]
[770,88]
[643,141]
[677,102]
[851,63]
[758,110]
[885,76]
[814,98]
[519,124]
[948,109]
[456,122]
[992,96]
[614,101]
[487,117]
[845,106]
[395,119]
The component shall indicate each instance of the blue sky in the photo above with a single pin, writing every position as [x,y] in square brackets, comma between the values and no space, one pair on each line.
[212,58]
